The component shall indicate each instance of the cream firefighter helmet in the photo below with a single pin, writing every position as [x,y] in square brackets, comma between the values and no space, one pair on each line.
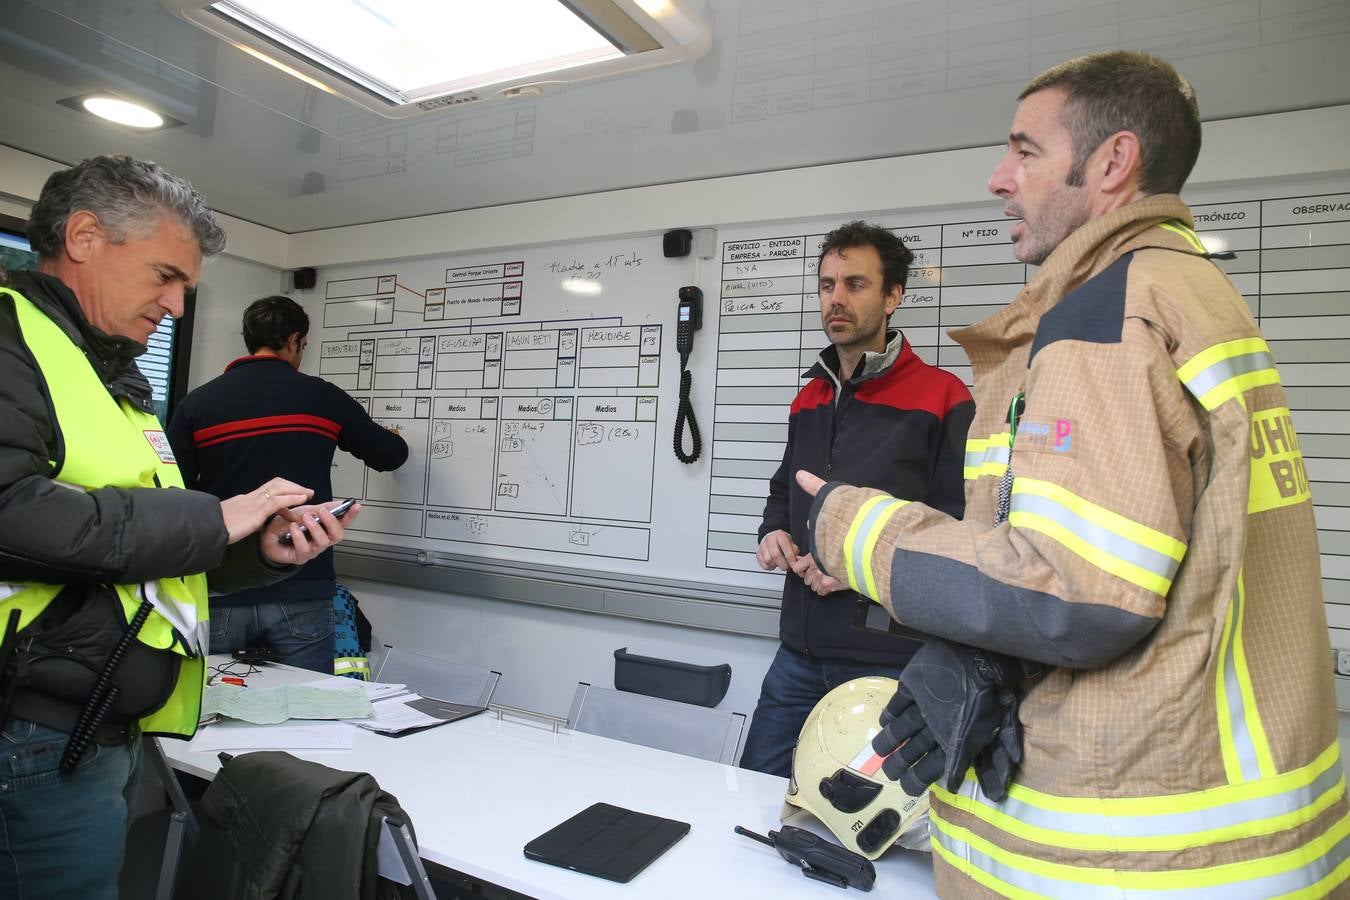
[837,778]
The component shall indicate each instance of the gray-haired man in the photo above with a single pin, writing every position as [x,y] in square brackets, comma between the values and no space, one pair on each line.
[102,596]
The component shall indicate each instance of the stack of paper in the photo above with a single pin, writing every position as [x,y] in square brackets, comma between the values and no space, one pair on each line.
[411,712]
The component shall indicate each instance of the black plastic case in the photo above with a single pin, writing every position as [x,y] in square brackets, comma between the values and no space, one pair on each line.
[670,679]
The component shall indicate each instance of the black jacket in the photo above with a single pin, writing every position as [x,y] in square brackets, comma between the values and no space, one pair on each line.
[262,419]
[88,540]
[899,425]
[274,826]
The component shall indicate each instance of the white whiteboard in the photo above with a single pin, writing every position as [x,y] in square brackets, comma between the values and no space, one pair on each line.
[538,386]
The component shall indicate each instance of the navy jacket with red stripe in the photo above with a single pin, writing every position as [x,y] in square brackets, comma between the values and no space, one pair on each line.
[898,424]
[262,419]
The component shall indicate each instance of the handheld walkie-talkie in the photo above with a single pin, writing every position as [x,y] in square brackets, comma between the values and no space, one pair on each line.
[818,858]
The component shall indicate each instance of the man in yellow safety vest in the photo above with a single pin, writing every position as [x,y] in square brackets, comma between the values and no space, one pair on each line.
[105,560]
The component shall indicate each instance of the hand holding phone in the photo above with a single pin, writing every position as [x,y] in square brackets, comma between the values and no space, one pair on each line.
[338,512]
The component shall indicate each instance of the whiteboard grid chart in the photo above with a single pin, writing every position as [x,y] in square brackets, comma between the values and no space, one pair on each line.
[1292,266]
[528,386]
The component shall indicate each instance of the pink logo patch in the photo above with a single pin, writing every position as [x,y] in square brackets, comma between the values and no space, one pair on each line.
[1063,435]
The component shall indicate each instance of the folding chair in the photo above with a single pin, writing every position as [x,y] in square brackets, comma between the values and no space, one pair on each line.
[652,722]
[440,679]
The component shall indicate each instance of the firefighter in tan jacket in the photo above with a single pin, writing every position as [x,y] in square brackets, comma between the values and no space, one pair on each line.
[1155,549]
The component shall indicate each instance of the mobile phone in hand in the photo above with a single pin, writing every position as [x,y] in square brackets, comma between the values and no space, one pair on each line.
[338,512]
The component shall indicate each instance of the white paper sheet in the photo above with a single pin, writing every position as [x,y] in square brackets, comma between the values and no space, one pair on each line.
[298,736]
[375,690]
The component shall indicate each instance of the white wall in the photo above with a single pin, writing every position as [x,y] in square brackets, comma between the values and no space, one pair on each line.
[228,285]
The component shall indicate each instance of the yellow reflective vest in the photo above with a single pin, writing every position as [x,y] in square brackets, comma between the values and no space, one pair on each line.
[1159,515]
[110,443]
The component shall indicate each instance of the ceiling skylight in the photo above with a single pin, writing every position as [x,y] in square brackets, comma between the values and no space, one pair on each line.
[393,54]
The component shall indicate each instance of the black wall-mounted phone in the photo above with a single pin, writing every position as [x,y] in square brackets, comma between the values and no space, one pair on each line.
[690,319]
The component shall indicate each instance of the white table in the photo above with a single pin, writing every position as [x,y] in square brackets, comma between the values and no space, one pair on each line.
[478,790]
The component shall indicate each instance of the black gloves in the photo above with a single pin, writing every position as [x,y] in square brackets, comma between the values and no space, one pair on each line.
[956,706]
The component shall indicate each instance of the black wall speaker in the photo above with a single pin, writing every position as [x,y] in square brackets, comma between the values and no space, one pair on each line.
[677,242]
[303,279]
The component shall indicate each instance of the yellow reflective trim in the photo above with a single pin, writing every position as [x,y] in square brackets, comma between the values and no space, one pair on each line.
[1235,387]
[1264,758]
[980,876]
[1107,562]
[1188,234]
[980,446]
[1226,350]
[852,535]
[1193,801]
[1321,888]
[870,546]
[1181,879]
[1072,840]
[1100,515]
[1230,388]
[1232,769]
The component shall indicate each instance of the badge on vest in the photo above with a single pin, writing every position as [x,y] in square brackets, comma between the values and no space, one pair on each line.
[159,442]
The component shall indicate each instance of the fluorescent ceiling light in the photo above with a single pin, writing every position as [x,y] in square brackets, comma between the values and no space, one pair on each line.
[401,57]
[413,48]
[277,64]
[123,112]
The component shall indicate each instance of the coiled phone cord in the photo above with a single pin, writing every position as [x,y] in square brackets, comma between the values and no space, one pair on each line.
[102,696]
[686,415]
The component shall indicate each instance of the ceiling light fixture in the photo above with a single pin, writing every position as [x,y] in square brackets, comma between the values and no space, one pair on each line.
[405,57]
[128,113]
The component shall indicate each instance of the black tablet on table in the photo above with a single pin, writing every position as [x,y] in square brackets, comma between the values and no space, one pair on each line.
[607,841]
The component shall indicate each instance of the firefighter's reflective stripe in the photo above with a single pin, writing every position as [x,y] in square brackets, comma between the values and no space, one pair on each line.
[1310,870]
[1162,824]
[9,590]
[987,456]
[1242,738]
[1117,545]
[861,541]
[1191,237]
[1219,373]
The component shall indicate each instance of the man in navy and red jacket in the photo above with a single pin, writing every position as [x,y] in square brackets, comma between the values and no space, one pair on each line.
[872,413]
[264,415]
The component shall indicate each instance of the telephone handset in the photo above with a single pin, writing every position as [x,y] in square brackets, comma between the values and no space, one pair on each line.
[690,319]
